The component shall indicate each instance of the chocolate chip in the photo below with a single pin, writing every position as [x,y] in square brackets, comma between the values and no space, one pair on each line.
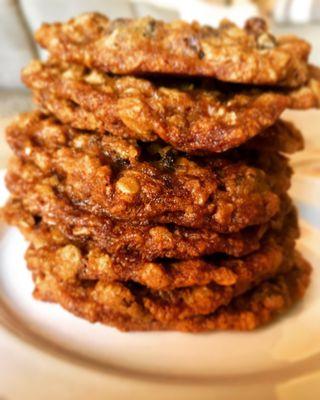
[201,54]
[150,28]
[256,26]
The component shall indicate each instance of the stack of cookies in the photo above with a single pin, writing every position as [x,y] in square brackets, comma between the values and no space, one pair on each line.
[152,179]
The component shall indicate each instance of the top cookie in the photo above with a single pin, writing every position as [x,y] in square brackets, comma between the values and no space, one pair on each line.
[137,46]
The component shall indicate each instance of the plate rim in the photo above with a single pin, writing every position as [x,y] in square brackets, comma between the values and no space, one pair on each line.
[17,326]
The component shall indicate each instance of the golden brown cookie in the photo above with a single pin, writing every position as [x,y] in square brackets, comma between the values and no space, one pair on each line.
[121,305]
[168,289]
[128,264]
[189,116]
[108,178]
[125,240]
[145,45]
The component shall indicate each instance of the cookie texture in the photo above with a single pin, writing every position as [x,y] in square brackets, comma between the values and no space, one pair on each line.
[224,193]
[96,262]
[227,53]
[152,180]
[199,116]
[120,305]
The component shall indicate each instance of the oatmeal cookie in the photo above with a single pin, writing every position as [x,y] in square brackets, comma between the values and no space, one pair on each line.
[106,177]
[169,290]
[189,117]
[137,46]
[99,263]
[121,305]
[127,241]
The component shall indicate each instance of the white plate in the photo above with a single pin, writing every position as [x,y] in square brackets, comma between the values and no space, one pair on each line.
[284,350]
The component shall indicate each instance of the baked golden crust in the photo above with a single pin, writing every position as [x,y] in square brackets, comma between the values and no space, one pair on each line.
[31,132]
[127,243]
[136,46]
[132,219]
[226,215]
[281,137]
[120,305]
[125,240]
[86,262]
[215,287]
[307,96]
[190,118]
[168,289]
[225,194]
